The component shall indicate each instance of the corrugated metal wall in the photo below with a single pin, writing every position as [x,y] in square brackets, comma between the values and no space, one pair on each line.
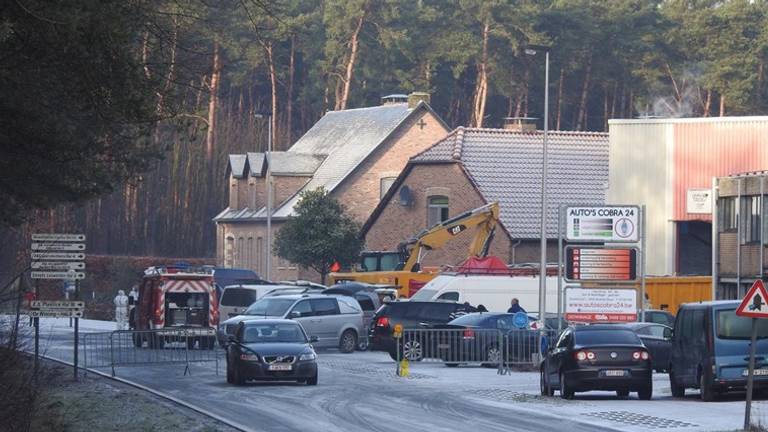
[715,148]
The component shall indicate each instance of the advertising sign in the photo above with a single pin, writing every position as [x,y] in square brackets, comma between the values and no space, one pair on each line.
[603,224]
[600,304]
[600,264]
[698,201]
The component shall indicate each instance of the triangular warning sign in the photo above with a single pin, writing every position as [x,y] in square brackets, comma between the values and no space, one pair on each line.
[755,303]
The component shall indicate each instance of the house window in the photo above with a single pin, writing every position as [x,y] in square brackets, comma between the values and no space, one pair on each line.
[750,219]
[384,185]
[260,265]
[249,254]
[437,210]
[727,214]
[229,251]
[240,252]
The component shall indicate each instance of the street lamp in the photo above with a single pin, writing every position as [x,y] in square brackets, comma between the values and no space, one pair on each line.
[533,50]
[268,243]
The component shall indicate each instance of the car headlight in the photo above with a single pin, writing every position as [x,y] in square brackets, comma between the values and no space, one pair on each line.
[249,357]
[308,356]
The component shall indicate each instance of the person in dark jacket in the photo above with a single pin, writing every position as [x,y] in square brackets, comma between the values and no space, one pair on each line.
[515,307]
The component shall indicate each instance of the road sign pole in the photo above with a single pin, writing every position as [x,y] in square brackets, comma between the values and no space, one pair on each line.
[751,373]
[77,327]
[642,263]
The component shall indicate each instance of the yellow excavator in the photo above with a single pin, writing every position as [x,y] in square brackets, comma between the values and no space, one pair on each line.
[402,268]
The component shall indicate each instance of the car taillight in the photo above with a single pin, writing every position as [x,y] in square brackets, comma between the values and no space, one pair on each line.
[640,355]
[382,322]
[469,334]
[584,355]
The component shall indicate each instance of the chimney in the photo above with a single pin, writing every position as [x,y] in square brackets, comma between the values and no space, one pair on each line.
[521,124]
[416,97]
[394,99]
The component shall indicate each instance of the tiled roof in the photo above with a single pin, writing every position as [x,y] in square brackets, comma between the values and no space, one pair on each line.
[506,166]
[333,148]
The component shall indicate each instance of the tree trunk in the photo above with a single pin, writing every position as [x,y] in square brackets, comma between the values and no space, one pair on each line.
[605,108]
[613,99]
[722,105]
[289,99]
[213,102]
[560,99]
[582,116]
[708,104]
[481,87]
[354,44]
[269,51]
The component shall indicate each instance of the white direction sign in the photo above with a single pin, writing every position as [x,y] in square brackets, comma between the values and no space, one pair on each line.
[57,304]
[61,256]
[58,275]
[603,224]
[58,237]
[58,246]
[56,313]
[600,304]
[57,265]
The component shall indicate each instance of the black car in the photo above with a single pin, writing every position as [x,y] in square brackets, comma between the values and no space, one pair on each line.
[271,350]
[658,339]
[597,357]
[488,336]
[411,315]
[659,317]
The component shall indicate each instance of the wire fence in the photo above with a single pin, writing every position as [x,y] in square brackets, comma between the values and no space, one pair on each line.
[497,348]
[150,347]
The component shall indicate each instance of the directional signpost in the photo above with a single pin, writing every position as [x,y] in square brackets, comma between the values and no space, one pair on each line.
[58,257]
[755,306]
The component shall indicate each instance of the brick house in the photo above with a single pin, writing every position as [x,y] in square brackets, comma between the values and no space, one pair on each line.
[354,154]
[742,233]
[472,167]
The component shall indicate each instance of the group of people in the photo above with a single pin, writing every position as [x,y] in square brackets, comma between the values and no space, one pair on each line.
[122,302]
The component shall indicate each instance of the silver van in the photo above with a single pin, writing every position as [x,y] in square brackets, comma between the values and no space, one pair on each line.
[336,321]
[237,298]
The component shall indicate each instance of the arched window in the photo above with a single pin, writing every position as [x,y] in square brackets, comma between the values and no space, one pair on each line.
[240,256]
[437,210]
[229,252]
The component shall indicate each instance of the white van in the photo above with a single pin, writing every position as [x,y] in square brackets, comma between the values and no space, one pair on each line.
[236,298]
[493,292]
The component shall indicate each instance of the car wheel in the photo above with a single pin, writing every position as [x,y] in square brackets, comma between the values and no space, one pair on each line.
[412,350]
[646,393]
[546,389]
[565,391]
[678,390]
[362,344]
[313,380]
[492,356]
[348,341]
[622,393]
[707,394]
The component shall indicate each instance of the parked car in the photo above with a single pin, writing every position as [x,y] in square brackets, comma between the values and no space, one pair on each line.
[658,339]
[293,290]
[304,283]
[369,302]
[660,317]
[224,277]
[597,357]
[710,350]
[411,315]
[277,350]
[335,321]
[236,298]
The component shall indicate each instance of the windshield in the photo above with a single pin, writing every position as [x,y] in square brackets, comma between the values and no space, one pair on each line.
[606,337]
[732,326]
[424,294]
[270,307]
[273,333]
[238,297]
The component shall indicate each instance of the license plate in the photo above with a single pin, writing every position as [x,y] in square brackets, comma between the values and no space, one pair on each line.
[280,367]
[443,346]
[614,373]
[757,372]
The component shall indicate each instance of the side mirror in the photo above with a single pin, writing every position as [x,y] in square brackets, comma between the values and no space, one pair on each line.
[313,339]
[294,314]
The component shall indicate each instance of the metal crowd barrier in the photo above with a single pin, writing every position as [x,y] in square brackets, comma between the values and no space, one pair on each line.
[150,347]
[497,348]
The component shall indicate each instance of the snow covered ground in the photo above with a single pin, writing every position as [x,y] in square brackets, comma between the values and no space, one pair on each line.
[361,389]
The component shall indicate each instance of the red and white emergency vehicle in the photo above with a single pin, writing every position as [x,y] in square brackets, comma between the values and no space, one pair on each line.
[181,300]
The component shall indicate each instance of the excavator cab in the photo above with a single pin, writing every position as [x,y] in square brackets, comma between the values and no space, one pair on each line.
[371,261]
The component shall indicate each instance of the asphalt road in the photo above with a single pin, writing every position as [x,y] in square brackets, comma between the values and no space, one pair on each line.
[355,392]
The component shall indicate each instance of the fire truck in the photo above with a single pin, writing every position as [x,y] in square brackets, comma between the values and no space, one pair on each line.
[179,303]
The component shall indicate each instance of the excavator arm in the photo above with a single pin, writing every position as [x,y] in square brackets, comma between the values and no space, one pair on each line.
[483,218]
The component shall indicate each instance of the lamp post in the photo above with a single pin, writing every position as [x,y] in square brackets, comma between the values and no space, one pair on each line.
[533,50]
[268,242]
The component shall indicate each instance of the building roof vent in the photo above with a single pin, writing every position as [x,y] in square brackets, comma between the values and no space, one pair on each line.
[523,124]
[396,98]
